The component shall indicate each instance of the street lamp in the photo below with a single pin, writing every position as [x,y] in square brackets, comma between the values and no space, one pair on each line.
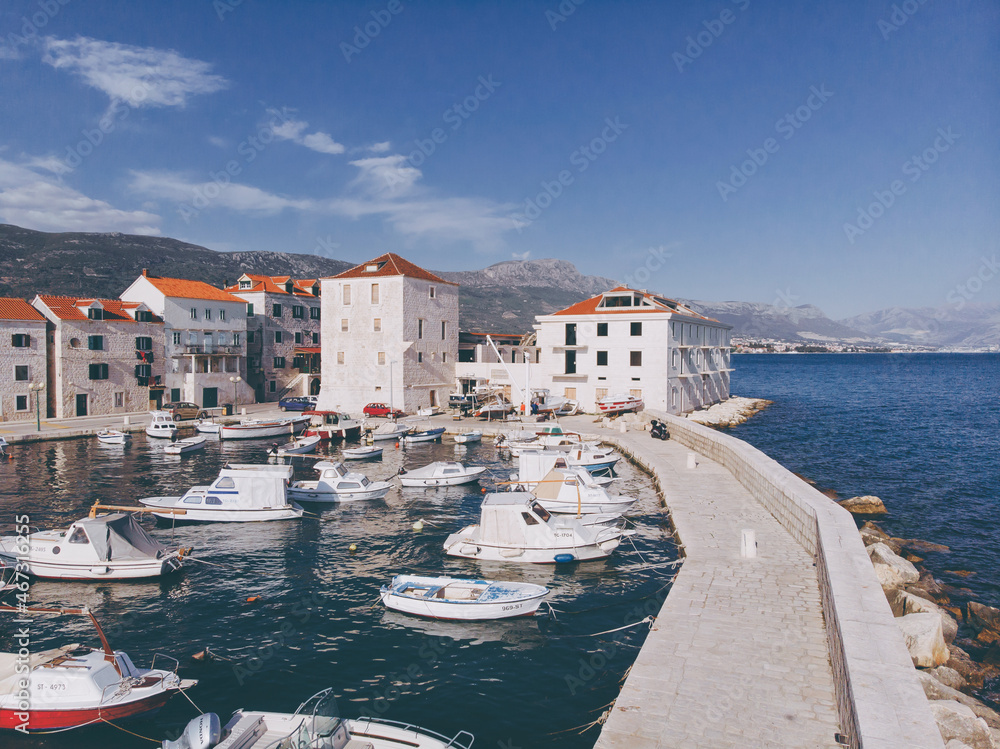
[36,388]
[236,395]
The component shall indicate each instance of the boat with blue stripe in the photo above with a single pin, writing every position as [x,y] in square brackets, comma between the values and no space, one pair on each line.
[456,598]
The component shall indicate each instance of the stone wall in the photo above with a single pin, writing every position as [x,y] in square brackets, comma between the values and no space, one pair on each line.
[879,698]
[32,356]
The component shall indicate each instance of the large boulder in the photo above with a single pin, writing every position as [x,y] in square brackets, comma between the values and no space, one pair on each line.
[983,617]
[949,677]
[956,721]
[903,602]
[891,569]
[975,674]
[924,639]
[935,690]
[956,744]
[867,505]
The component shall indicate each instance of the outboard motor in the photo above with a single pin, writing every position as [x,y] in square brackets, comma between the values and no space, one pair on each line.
[658,430]
[203,732]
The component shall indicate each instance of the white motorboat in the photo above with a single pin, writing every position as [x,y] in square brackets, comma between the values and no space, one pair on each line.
[330,425]
[542,401]
[316,724]
[424,435]
[468,600]
[189,445]
[533,466]
[593,459]
[496,407]
[208,426]
[71,687]
[242,493]
[569,408]
[430,411]
[473,435]
[619,404]
[249,429]
[103,547]
[572,491]
[361,453]
[440,473]
[389,430]
[113,437]
[515,527]
[549,437]
[162,425]
[299,446]
[337,484]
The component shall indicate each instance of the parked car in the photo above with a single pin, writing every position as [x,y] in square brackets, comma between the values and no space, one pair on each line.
[183,410]
[298,403]
[381,409]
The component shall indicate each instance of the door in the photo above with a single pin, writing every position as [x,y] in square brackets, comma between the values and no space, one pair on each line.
[209,397]
[434,398]
[81,404]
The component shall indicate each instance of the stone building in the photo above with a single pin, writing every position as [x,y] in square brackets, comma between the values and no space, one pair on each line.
[204,338]
[389,334]
[283,334]
[633,342]
[22,358]
[105,356]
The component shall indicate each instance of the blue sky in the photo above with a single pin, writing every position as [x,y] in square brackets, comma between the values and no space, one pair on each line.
[730,150]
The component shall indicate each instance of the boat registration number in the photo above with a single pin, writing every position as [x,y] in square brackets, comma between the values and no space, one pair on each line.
[511,607]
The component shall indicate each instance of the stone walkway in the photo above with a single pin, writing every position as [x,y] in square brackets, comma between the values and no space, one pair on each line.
[738,654]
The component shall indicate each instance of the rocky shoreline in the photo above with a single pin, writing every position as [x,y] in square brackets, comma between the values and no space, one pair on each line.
[729,413]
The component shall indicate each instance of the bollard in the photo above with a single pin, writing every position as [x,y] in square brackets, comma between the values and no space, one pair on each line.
[125,421]
[748,543]
[243,410]
[692,461]
[623,427]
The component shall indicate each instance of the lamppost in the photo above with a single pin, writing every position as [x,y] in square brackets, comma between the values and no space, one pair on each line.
[236,394]
[36,388]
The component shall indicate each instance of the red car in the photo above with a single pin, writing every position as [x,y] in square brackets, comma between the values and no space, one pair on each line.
[381,409]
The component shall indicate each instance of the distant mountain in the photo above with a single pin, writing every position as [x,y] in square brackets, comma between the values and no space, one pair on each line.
[805,323]
[975,326]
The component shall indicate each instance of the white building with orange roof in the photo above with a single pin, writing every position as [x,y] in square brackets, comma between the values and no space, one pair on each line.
[204,339]
[389,335]
[105,356]
[22,358]
[635,343]
[283,334]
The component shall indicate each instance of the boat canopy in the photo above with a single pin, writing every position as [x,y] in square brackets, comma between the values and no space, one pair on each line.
[533,466]
[257,485]
[508,519]
[551,485]
[118,536]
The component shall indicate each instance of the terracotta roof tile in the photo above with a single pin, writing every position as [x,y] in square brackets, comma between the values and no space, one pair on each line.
[274,285]
[391,264]
[659,304]
[67,308]
[18,309]
[185,289]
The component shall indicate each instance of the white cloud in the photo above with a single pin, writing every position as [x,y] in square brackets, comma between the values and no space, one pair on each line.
[521,255]
[294,130]
[39,202]
[380,147]
[141,76]
[385,176]
[218,142]
[234,196]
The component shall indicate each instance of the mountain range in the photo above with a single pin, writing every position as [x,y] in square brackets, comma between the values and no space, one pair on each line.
[502,298]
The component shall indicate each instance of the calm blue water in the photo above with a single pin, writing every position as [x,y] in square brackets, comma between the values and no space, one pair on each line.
[918,430]
[318,623]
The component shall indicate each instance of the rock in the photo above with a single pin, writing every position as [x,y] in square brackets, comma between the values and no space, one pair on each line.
[873,527]
[960,573]
[924,639]
[912,558]
[949,677]
[935,690]
[956,744]
[956,721]
[924,547]
[987,637]
[929,588]
[891,569]
[983,617]
[866,505]
[907,603]
[959,660]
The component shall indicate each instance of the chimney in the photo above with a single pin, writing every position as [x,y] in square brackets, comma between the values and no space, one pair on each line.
[143,272]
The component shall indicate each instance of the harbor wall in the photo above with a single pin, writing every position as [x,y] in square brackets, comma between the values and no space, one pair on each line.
[880,701]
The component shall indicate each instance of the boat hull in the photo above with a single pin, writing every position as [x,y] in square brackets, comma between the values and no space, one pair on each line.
[311,495]
[361,454]
[462,611]
[48,720]
[127,570]
[259,431]
[471,549]
[427,436]
[468,437]
[205,515]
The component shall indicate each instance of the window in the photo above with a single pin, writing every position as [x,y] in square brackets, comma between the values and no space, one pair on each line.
[529,519]
[95,313]
[374,293]
[420,357]
[175,395]
[275,310]
[570,362]
[377,324]
[602,358]
[99,371]
[95,342]
[298,312]
[277,336]
[194,314]
[222,315]
[314,313]
[272,386]
[79,537]
[635,358]
[343,325]
[142,370]
[571,334]
[444,357]
[20,340]
[21,402]
[236,339]
[143,343]
[253,362]
[246,284]
[250,309]
[635,393]
[600,393]
[213,501]
[602,328]
[444,329]
[298,338]
[381,357]
[119,400]
[296,362]
[177,339]
[347,293]
[432,293]
[251,336]
[676,358]
[316,338]
[340,357]
[279,362]
[569,393]
[21,373]
[208,314]
[636,328]
[420,328]
[143,315]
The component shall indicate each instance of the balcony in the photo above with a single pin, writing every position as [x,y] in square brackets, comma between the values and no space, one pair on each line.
[211,351]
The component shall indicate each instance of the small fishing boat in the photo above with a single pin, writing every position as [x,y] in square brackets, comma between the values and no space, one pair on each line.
[469,600]
[162,425]
[299,446]
[533,466]
[361,453]
[572,491]
[542,401]
[182,447]
[474,435]
[337,484]
[242,493]
[98,547]
[249,429]
[424,435]
[389,431]
[113,437]
[515,527]
[71,686]
[430,411]
[569,408]
[440,473]
[619,404]
[208,426]
[592,459]
[496,407]
[316,724]
[329,425]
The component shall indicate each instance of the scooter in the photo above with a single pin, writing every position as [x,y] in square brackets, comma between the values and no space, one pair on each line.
[658,430]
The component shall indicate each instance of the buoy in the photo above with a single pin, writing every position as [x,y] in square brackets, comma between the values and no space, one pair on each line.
[483,490]
[352,547]
[397,444]
[418,526]
[251,599]
[562,558]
